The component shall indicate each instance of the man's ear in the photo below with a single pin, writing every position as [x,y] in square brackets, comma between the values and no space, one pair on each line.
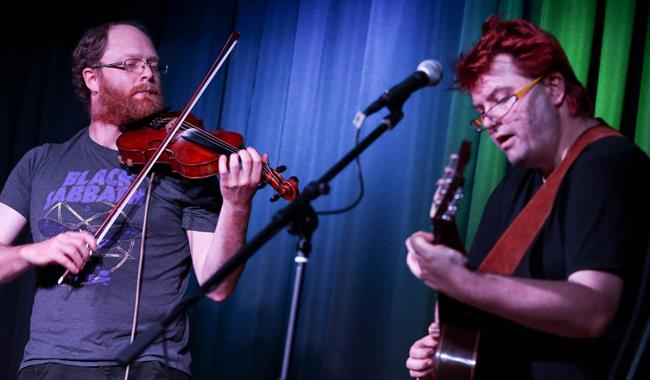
[91,79]
[555,86]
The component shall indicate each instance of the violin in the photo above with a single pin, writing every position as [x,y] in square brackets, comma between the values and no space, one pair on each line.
[194,152]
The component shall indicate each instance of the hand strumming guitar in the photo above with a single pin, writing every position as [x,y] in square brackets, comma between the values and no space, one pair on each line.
[435,265]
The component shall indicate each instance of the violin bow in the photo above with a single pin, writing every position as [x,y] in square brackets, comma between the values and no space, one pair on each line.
[103,229]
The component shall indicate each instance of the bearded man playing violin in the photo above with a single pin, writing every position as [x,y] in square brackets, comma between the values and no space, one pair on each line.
[64,192]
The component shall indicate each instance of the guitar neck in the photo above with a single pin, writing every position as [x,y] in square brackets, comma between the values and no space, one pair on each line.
[446,233]
[450,310]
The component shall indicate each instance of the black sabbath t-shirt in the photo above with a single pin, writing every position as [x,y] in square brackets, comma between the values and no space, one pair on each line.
[72,187]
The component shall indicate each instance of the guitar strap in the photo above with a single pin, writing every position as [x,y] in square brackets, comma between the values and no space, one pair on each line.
[511,247]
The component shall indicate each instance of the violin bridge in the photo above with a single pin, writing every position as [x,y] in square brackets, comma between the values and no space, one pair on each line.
[129,162]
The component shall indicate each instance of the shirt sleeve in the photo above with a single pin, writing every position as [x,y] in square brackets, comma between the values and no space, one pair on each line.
[202,211]
[601,204]
[17,188]
[199,201]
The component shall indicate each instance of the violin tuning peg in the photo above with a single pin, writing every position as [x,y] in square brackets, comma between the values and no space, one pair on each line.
[261,185]
[281,168]
[275,197]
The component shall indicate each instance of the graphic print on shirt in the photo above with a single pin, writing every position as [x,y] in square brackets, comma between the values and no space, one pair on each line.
[82,203]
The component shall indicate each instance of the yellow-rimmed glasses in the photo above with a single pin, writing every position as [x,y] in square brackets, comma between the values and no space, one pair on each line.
[501,108]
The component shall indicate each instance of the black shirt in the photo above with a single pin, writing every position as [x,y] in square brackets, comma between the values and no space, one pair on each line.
[598,222]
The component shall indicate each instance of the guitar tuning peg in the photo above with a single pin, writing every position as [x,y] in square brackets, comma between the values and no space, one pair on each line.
[275,197]
[281,168]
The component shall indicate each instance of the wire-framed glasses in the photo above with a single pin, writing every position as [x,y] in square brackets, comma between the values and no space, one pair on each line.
[136,65]
[501,108]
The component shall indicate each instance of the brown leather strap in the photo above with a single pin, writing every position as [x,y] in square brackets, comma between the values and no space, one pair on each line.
[508,251]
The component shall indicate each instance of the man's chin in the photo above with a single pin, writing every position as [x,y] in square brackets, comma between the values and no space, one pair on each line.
[126,121]
[145,108]
[513,157]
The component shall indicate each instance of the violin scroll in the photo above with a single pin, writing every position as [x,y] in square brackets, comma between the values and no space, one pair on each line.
[287,189]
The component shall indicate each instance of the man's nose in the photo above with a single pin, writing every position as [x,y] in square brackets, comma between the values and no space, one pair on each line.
[147,71]
[490,124]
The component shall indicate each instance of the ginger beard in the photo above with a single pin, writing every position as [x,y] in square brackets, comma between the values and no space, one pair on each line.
[121,108]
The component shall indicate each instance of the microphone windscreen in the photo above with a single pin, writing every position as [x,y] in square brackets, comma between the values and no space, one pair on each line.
[433,69]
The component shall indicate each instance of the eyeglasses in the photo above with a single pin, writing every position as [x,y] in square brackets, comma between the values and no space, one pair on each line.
[136,65]
[501,108]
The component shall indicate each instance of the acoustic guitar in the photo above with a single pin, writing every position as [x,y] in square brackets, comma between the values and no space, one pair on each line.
[457,354]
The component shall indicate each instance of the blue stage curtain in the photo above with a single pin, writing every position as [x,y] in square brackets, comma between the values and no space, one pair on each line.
[292,86]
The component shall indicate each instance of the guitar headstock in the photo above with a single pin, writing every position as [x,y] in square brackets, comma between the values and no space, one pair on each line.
[449,190]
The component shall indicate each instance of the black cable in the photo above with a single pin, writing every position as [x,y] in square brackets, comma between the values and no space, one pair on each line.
[361,185]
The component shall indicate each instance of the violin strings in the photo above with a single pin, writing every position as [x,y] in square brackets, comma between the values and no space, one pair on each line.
[211,140]
[218,143]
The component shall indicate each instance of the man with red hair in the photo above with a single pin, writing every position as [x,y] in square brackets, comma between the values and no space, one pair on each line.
[563,312]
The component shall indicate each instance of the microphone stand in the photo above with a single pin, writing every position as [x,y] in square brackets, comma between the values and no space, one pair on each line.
[291,214]
[303,226]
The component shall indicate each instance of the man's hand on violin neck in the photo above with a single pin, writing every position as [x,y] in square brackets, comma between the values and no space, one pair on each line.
[239,175]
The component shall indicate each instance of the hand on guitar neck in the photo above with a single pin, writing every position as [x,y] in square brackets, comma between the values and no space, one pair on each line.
[433,256]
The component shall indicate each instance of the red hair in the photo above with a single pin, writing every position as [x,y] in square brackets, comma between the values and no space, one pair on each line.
[536,53]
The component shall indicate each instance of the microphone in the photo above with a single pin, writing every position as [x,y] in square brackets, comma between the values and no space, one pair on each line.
[428,73]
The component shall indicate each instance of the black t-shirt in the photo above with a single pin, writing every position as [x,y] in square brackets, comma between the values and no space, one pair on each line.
[598,222]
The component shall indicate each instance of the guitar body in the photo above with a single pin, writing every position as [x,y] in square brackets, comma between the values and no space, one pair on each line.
[457,356]
[458,346]
[457,353]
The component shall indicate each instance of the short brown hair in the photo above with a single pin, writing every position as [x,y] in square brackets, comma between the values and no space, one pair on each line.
[89,51]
